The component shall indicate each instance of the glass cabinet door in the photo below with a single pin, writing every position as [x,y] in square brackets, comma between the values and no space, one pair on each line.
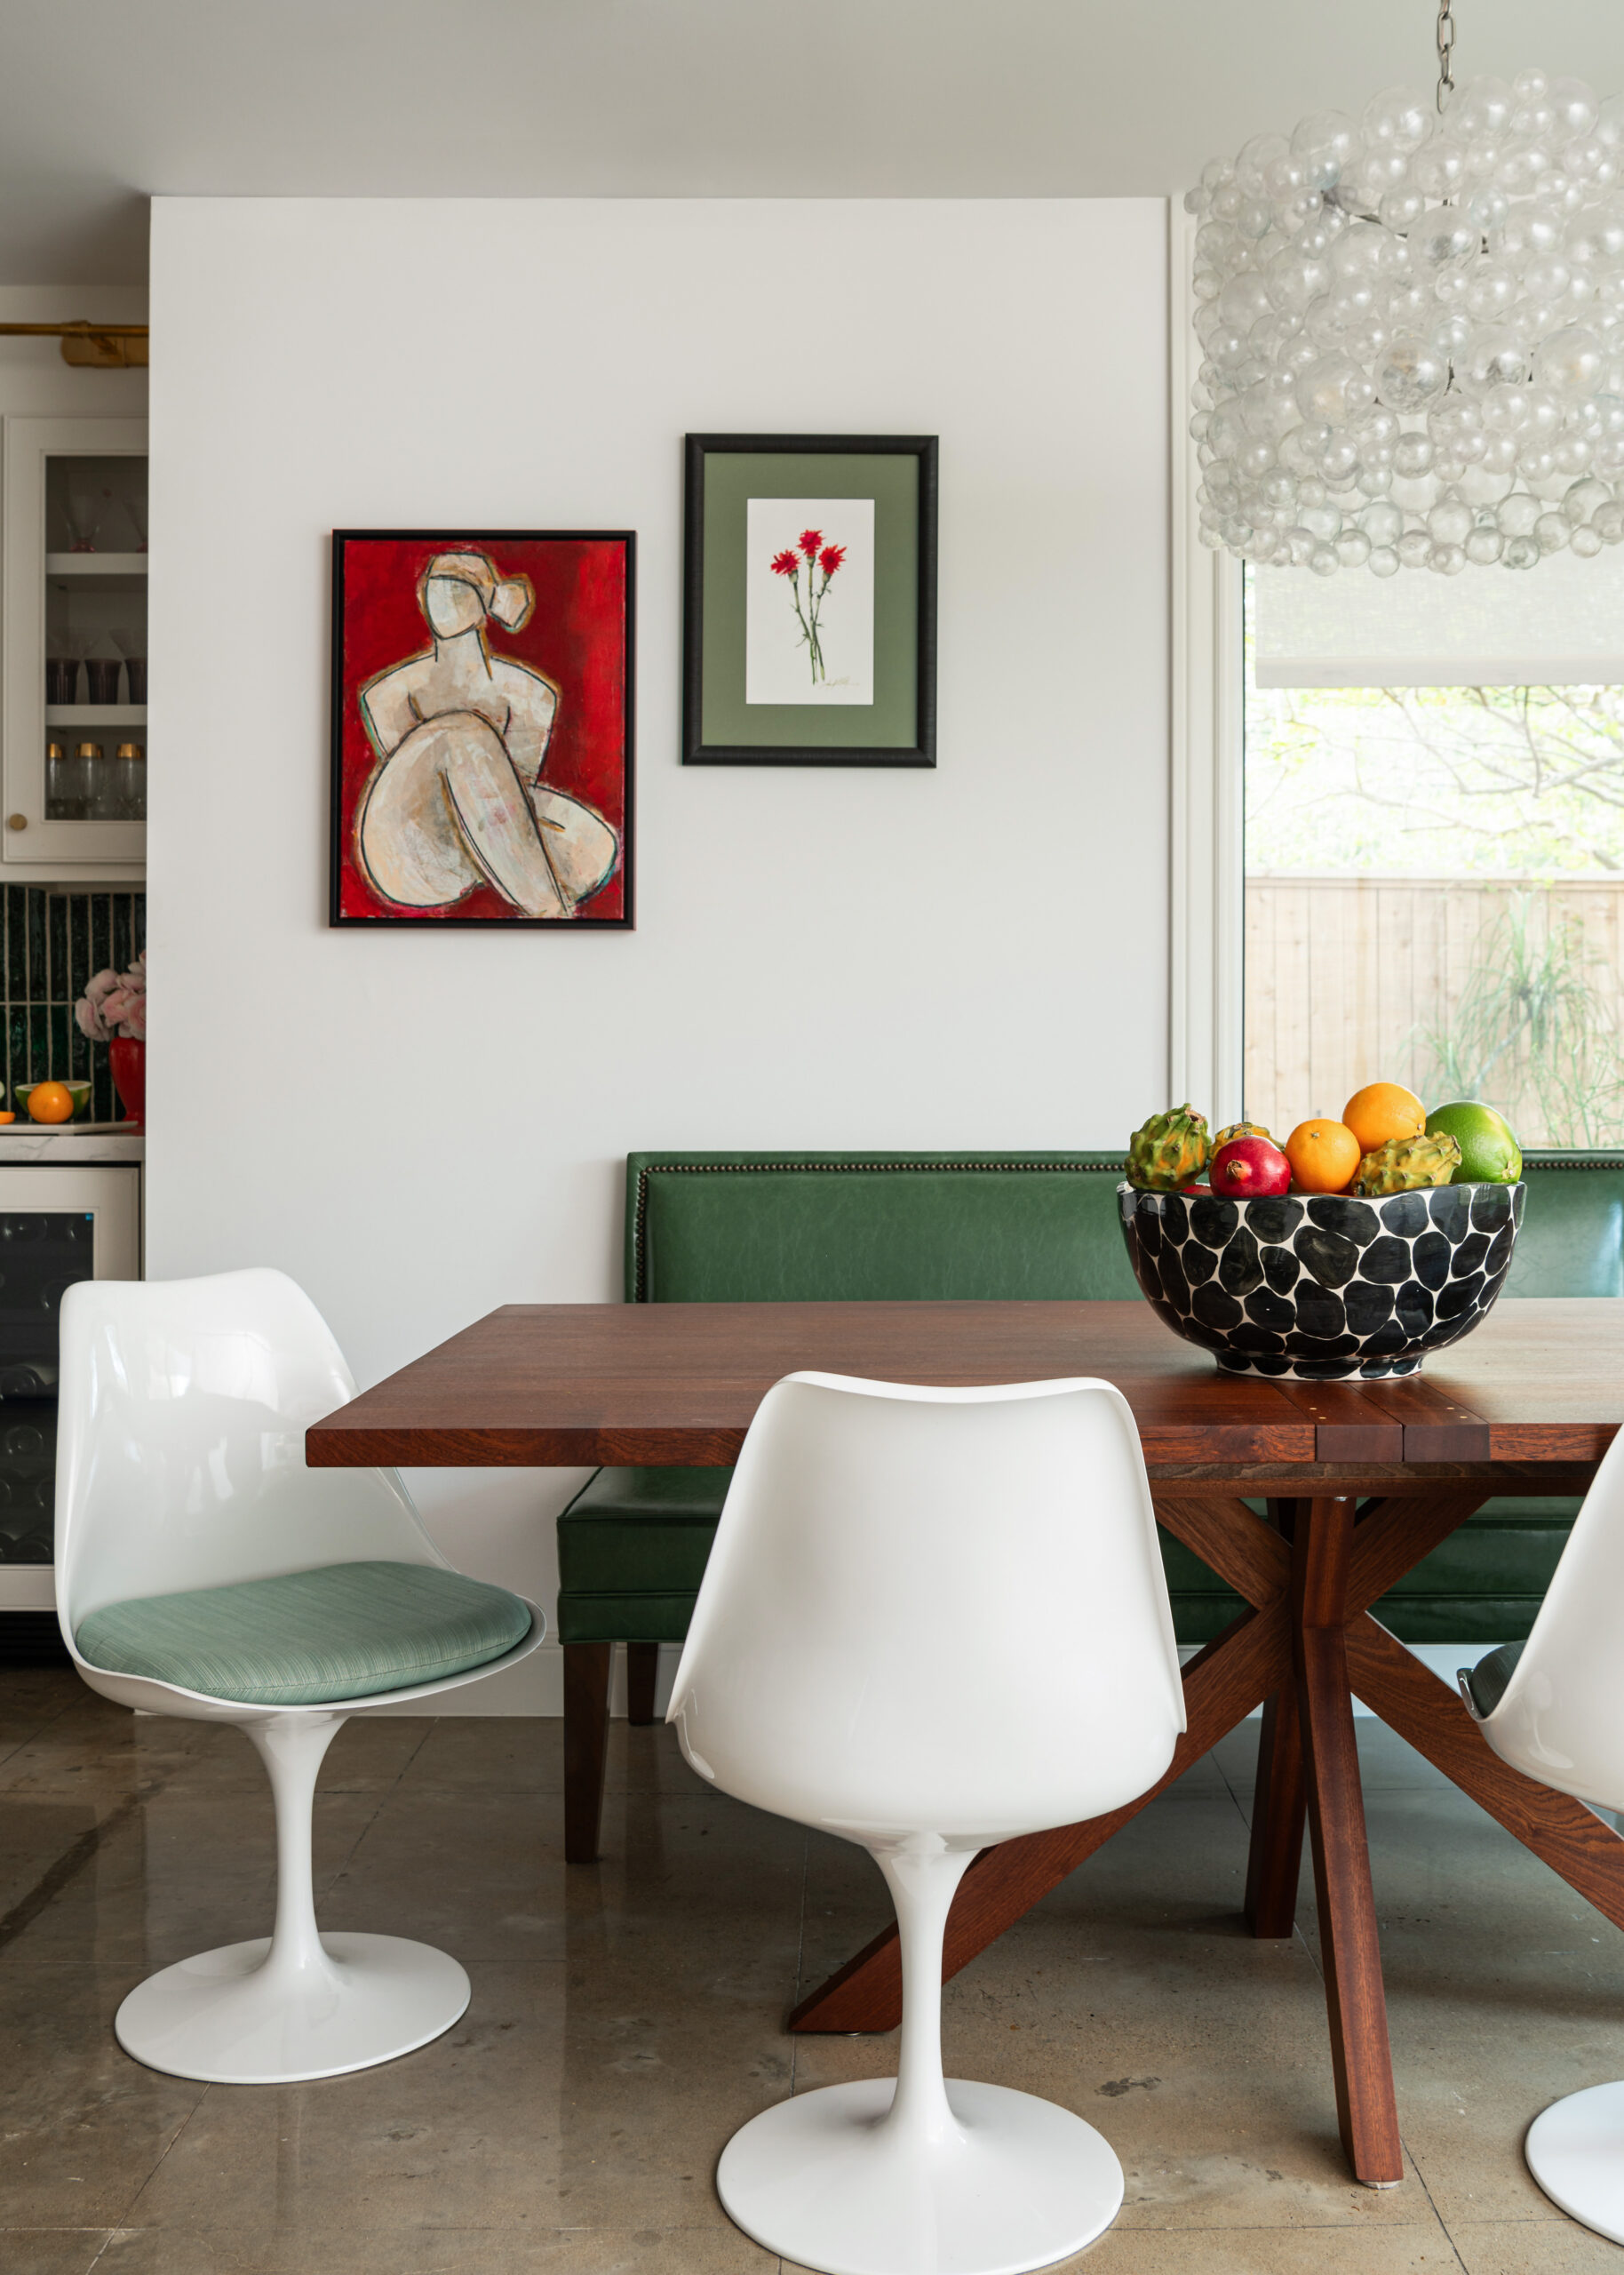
[76,642]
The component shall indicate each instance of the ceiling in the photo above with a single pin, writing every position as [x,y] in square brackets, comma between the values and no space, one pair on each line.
[106,102]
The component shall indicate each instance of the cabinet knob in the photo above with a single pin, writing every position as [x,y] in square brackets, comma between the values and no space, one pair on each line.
[17,821]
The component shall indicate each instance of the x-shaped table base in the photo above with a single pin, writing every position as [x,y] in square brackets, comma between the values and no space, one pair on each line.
[1307,1644]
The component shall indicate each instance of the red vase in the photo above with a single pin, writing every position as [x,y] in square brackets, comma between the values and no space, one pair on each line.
[128,1056]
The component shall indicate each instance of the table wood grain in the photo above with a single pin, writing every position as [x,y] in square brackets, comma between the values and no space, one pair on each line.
[565,1385]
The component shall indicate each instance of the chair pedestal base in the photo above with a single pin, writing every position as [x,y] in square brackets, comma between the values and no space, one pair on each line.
[1575,2151]
[229,2018]
[1016,2184]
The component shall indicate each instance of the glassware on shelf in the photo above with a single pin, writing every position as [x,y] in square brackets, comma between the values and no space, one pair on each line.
[136,508]
[60,803]
[72,774]
[92,783]
[132,646]
[62,679]
[101,679]
[86,512]
[130,782]
[74,647]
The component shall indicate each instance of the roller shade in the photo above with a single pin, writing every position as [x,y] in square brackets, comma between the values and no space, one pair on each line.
[1561,624]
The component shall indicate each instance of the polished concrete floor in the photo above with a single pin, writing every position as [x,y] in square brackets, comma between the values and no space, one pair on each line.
[626,2017]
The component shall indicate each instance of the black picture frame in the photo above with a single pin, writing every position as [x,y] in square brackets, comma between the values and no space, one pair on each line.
[921,751]
[478,539]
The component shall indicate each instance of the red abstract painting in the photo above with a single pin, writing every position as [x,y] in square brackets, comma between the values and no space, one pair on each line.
[483,727]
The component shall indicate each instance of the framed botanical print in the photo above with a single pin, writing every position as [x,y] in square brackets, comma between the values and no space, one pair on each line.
[483,727]
[809,601]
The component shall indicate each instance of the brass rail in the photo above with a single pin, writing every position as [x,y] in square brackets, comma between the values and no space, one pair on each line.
[99,347]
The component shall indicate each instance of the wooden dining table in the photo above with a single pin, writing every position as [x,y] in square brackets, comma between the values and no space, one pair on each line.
[1360,1481]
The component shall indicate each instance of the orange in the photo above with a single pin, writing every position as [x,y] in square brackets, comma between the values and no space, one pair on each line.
[1381,1111]
[1324,1155]
[50,1102]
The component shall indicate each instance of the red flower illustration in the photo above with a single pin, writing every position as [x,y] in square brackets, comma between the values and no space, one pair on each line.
[808,607]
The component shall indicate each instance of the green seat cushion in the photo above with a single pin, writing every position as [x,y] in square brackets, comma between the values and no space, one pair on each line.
[1488,1680]
[1484,1582]
[301,1639]
[632,1551]
[632,1546]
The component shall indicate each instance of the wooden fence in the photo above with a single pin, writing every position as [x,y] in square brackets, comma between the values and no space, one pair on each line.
[1346,977]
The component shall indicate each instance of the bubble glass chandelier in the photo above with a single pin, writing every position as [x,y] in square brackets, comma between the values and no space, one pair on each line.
[1412,327]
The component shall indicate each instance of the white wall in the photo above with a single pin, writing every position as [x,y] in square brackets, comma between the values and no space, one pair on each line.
[420,1126]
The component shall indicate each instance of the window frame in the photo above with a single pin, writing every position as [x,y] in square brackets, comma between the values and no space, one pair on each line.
[1206,852]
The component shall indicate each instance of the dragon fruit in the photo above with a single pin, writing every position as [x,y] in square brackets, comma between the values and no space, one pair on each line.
[1405,1164]
[1170,1150]
[1241,1129]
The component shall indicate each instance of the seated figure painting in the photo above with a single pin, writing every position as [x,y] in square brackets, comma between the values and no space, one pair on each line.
[484,775]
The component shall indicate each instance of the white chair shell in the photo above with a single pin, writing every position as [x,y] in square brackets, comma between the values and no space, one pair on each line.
[1561,1719]
[933,1618]
[183,1406]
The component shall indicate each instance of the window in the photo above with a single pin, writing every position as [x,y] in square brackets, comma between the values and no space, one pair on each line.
[1434,895]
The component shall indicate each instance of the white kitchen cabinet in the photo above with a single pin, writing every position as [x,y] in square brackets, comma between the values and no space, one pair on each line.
[73,654]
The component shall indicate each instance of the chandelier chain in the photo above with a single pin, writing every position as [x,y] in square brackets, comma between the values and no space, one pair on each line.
[1446,41]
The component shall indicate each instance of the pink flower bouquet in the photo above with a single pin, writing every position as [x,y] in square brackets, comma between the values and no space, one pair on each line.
[114,1003]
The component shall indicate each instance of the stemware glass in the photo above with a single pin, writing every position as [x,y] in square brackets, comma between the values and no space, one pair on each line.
[101,679]
[73,647]
[86,513]
[132,645]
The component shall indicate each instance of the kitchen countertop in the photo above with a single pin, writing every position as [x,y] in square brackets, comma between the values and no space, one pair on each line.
[70,1144]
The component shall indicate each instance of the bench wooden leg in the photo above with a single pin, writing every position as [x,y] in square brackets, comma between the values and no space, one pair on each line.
[642,1668]
[588,1669]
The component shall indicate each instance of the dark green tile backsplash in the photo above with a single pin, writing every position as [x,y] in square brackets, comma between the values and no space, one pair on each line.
[56,936]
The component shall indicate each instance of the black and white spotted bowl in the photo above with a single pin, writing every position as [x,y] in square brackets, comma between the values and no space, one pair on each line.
[1321,1286]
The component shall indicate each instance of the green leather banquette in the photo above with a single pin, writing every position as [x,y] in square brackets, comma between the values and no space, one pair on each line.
[740,1227]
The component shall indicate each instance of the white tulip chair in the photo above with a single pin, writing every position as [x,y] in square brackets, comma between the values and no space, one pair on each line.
[1554,1708]
[932,1619]
[202,1570]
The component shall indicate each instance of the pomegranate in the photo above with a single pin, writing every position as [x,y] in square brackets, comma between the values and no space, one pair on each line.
[1247,1168]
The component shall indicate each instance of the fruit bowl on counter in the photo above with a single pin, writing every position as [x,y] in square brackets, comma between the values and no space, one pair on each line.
[1276,1275]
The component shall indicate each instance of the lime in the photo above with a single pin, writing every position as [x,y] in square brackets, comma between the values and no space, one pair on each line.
[1489,1152]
